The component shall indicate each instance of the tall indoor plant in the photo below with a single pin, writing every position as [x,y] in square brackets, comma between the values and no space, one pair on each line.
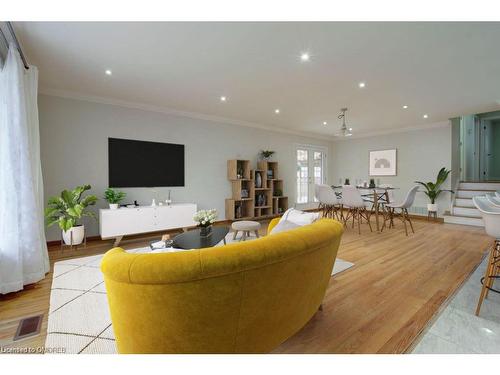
[67,210]
[433,189]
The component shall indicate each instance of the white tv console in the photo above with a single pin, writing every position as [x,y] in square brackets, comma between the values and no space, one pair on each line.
[142,219]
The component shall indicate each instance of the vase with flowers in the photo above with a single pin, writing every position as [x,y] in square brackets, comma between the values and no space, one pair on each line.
[205,220]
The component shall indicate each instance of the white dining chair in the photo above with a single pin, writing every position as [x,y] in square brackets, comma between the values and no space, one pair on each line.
[329,203]
[497,193]
[493,199]
[356,207]
[400,210]
[491,218]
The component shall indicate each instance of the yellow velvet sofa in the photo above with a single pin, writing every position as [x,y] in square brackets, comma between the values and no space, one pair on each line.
[245,297]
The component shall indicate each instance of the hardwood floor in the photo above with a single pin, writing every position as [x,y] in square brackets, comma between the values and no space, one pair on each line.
[381,305]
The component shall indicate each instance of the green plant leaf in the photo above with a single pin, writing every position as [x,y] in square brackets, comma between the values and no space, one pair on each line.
[89,200]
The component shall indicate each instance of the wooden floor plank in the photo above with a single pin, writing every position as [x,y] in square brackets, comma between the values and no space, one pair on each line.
[381,305]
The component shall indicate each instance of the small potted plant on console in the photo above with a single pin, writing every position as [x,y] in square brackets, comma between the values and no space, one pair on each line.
[113,197]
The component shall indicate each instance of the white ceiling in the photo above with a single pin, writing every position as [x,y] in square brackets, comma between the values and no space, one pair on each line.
[442,69]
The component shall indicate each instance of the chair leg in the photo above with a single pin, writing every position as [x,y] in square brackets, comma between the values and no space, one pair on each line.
[489,270]
[409,220]
[404,222]
[359,221]
[368,220]
[257,233]
[235,234]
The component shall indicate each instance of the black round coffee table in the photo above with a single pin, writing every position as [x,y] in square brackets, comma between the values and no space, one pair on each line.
[193,240]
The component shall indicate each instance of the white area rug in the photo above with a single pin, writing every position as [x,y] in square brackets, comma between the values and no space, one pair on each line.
[79,318]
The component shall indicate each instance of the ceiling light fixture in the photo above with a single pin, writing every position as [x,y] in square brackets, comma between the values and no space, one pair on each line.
[277,111]
[405,107]
[223,98]
[108,72]
[344,131]
[325,123]
[426,116]
[305,56]
[362,85]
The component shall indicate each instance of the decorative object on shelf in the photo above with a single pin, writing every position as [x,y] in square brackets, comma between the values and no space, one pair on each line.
[258,180]
[278,193]
[266,154]
[153,202]
[372,183]
[383,163]
[237,213]
[168,201]
[244,193]
[433,189]
[261,200]
[113,197]
[67,210]
[346,182]
[205,219]
[270,174]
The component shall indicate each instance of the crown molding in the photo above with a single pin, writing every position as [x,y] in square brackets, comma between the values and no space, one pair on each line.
[170,111]
[376,133]
[224,120]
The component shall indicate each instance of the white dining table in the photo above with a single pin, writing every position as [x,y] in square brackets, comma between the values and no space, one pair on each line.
[378,194]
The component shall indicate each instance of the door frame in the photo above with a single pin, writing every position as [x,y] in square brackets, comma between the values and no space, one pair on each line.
[313,147]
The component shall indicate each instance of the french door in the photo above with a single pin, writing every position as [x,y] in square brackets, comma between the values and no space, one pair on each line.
[311,170]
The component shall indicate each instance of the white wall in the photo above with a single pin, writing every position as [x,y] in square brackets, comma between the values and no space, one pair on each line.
[74,136]
[420,155]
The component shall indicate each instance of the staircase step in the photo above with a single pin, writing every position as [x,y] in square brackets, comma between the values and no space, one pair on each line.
[463,220]
[464,202]
[466,211]
[471,193]
[479,185]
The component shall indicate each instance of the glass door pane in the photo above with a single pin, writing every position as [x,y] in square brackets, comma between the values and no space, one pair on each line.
[310,171]
[318,158]
[302,176]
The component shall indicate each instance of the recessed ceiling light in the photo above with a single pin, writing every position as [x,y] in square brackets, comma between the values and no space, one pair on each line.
[350,129]
[361,85]
[426,116]
[325,123]
[405,107]
[277,110]
[108,72]
[305,56]
[223,98]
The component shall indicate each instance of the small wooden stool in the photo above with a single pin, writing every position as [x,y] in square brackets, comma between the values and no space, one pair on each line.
[246,227]
[491,274]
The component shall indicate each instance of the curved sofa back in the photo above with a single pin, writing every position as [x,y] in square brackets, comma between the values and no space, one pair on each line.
[245,297]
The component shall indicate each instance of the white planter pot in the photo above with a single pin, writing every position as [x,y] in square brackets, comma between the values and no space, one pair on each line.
[78,234]
[113,206]
[432,207]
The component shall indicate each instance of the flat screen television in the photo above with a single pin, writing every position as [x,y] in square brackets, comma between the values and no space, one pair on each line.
[145,164]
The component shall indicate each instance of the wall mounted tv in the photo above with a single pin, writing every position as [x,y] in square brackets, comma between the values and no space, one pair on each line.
[145,164]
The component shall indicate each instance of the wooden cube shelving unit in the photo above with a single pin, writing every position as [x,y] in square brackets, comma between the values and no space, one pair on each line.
[249,201]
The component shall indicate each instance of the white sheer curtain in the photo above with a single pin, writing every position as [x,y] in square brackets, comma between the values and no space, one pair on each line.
[23,250]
